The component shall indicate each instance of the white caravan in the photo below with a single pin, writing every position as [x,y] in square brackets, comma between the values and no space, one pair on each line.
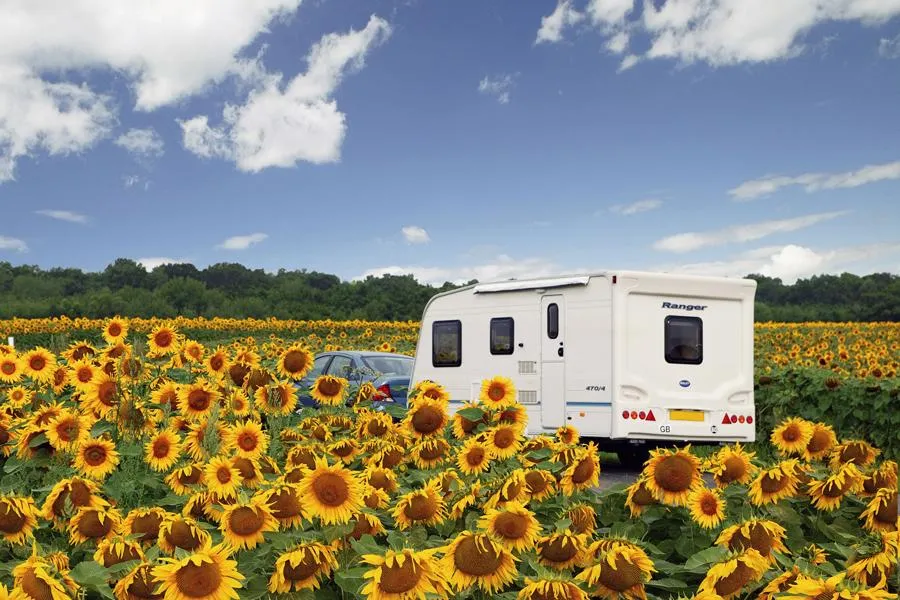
[634,360]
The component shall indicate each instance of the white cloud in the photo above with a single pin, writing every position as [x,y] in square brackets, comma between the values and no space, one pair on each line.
[792,262]
[282,124]
[500,268]
[889,48]
[687,242]
[636,207]
[242,242]
[554,25]
[416,235]
[63,215]
[143,143]
[166,50]
[609,12]
[618,43]
[11,243]
[499,87]
[152,262]
[813,182]
[628,62]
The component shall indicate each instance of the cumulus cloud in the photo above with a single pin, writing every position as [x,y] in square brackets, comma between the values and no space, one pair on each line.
[554,25]
[889,47]
[499,268]
[498,87]
[415,235]
[242,242]
[143,143]
[281,123]
[152,262]
[636,207]
[813,182]
[11,243]
[63,215]
[687,242]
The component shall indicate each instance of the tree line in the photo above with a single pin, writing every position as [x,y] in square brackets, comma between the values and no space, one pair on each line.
[233,290]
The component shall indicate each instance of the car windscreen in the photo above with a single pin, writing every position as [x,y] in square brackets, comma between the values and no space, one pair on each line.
[389,365]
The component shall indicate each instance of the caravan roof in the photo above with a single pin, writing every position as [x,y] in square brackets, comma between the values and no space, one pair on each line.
[583,279]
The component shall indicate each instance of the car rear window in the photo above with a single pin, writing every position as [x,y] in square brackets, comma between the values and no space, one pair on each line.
[389,365]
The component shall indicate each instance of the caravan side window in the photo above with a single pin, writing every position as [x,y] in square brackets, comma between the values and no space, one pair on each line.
[502,335]
[552,321]
[446,343]
[684,340]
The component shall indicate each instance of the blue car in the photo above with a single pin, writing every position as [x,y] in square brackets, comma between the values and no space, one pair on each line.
[388,372]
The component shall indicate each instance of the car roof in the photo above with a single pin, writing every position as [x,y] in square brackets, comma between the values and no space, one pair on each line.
[363,353]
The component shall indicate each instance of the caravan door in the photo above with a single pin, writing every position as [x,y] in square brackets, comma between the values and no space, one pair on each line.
[553,361]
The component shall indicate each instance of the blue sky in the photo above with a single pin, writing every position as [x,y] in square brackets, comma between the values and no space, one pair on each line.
[453,140]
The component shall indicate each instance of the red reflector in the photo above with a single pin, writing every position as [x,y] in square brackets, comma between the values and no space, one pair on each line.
[750,419]
[726,420]
[650,416]
[741,419]
[734,418]
[624,414]
[642,415]
[634,414]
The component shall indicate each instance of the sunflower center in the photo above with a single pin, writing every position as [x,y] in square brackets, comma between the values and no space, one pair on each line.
[34,587]
[833,489]
[791,433]
[376,428]
[245,521]
[584,471]
[11,521]
[199,400]
[818,442]
[734,582]
[476,456]
[674,474]
[247,441]
[558,551]
[147,526]
[400,578]
[760,540]
[295,361]
[709,505]
[142,585]
[504,438]
[37,363]
[68,430]
[623,576]
[238,373]
[329,387]
[510,525]
[888,511]
[181,535]
[511,490]
[110,558]
[198,581]
[84,374]
[161,448]
[427,419]
[106,393]
[432,452]
[163,339]
[854,453]
[190,477]
[223,474]
[420,508]
[772,485]
[114,330]
[331,489]
[284,505]
[90,525]
[361,528]
[216,362]
[496,392]
[245,467]
[343,449]
[305,569]
[7,368]
[477,556]
[94,455]
[536,482]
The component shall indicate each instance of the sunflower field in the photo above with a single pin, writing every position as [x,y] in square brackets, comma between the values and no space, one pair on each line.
[153,467]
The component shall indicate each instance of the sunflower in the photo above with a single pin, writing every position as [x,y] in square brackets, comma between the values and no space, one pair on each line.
[178,531]
[375,498]
[32,443]
[621,571]
[117,549]
[827,493]
[81,373]
[331,493]
[68,430]
[197,399]
[345,450]
[10,369]
[244,524]
[583,518]
[474,457]
[792,436]
[468,500]
[881,512]
[550,589]
[194,441]
[513,526]
[672,475]
[365,524]
[731,575]
[885,476]
[247,439]
[497,392]
[329,390]
[403,575]
[567,435]
[18,397]
[464,427]
[138,584]
[18,518]
[93,524]
[426,418]
[763,536]
[424,506]
[162,340]
[836,586]
[278,399]
[103,395]
[222,477]
[583,473]
[432,391]
[96,458]
[76,492]
[516,414]
[35,579]
[821,442]
[216,364]
[474,559]
[239,403]
[184,480]
[249,470]
[872,564]
[732,464]
[779,584]
[775,483]
[115,330]
[539,484]
[193,351]
[144,524]
[295,362]
[503,440]
[561,550]
[162,451]
[707,507]
[511,489]
[302,567]
[858,452]
[39,364]
[206,574]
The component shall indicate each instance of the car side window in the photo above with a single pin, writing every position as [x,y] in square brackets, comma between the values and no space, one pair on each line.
[318,367]
[341,366]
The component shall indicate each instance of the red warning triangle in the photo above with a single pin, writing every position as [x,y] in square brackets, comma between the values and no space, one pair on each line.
[726,420]
[650,416]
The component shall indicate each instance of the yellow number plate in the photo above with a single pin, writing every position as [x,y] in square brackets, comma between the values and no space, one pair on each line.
[686,415]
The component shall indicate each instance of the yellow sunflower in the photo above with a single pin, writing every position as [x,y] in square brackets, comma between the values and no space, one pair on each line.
[474,457]
[707,507]
[567,435]
[583,518]
[881,513]
[463,427]
[178,531]
[18,397]
[193,351]
[885,476]
[475,560]
[513,526]
[621,571]
[871,565]
[330,493]
[295,362]
[424,506]
[39,364]
[561,550]
[775,483]
[836,586]
[497,392]
[672,474]
[303,567]
[329,390]
[222,477]
[37,579]
[345,450]
[730,576]
[791,436]
[550,589]
[827,494]
[163,450]
[81,373]
[732,464]
[583,473]
[431,390]
[197,399]
[244,524]
[858,452]
[10,369]
[67,430]
[96,458]
[137,584]
[162,340]
[504,440]
[18,518]
[821,442]
[278,399]
[93,524]
[184,480]
[144,523]
[103,396]
[250,471]
[206,574]
[779,584]
[539,484]
[75,491]
[115,330]
[426,418]
[117,549]
[516,414]
[403,575]
[247,439]
[764,536]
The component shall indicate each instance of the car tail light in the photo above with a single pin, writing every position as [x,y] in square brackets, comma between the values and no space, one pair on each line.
[383,391]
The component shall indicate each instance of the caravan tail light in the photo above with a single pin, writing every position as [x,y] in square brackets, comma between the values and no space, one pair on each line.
[625,414]
[643,416]
[732,419]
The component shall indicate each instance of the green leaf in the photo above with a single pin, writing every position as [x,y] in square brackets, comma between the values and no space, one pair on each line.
[540,454]
[335,532]
[471,414]
[706,557]
[101,427]
[417,538]
[38,440]
[93,576]
[667,583]
[395,410]
[366,545]
[563,524]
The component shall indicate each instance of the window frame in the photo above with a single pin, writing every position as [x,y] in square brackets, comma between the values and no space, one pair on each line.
[434,330]
[672,360]
[553,323]
[512,336]
[351,364]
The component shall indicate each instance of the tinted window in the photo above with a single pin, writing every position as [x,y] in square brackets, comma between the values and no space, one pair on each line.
[502,335]
[446,344]
[389,365]
[319,366]
[552,321]
[341,366]
[684,340]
